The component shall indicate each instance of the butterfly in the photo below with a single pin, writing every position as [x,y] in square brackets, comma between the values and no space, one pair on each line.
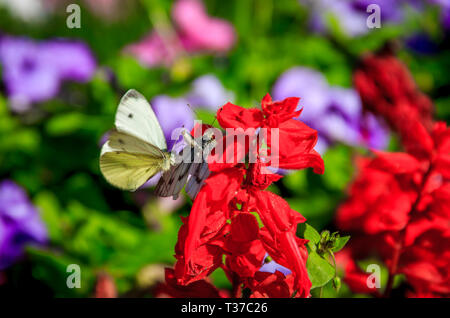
[136,150]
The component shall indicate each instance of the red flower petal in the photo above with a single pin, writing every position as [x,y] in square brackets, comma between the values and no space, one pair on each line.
[395,163]
[233,116]
[198,289]
[295,147]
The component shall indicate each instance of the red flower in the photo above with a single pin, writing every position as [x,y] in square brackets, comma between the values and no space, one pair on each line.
[105,287]
[245,251]
[202,243]
[296,141]
[387,89]
[268,285]
[426,262]
[201,238]
[223,221]
[402,203]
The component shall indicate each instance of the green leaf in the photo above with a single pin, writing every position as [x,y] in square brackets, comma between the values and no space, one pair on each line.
[65,124]
[320,271]
[220,279]
[129,72]
[310,233]
[296,181]
[49,209]
[340,243]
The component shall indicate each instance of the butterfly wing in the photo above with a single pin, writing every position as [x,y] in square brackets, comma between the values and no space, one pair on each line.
[200,169]
[172,182]
[196,169]
[128,171]
[135,117]
[199,173]
[135,150]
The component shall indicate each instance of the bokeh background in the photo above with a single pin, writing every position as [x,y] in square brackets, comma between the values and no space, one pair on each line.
[60,88]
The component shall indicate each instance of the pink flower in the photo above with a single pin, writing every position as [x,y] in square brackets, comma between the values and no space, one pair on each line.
[193,21]
[195,32]
[152,50]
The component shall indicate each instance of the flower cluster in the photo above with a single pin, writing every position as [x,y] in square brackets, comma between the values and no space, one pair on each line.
[34,71]
[236,224]
[398,206]
[20,223]
[191,21]
[394,96]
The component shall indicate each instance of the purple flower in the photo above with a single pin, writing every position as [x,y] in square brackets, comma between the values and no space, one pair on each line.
[172,113]
[272,267]
[72,60]
[20,223]
[446,18]
[352,15]
[208,92]
[335,112]
[33,72]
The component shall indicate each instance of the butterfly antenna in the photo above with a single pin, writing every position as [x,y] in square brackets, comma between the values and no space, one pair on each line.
[193,110]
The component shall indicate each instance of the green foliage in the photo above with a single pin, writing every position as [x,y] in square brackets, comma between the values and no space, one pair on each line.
[51,268]
[340,243]
[339,167]
[321,264]
[310,234]
[119,243]
[320,271]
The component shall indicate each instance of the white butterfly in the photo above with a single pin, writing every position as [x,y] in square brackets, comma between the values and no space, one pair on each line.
[136,150]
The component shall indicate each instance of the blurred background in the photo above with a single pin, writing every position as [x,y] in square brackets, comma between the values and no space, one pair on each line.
[62,76]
